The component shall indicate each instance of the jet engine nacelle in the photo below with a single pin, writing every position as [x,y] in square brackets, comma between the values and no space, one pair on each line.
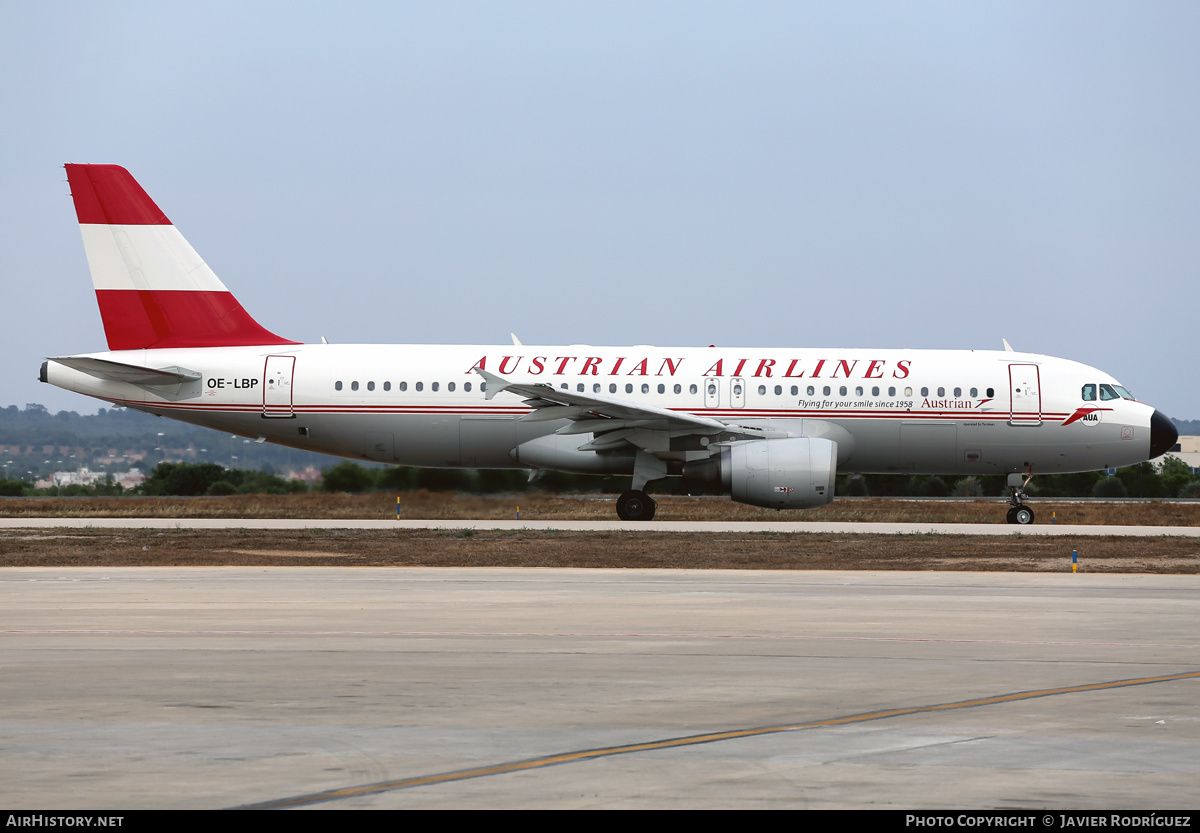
[790,473]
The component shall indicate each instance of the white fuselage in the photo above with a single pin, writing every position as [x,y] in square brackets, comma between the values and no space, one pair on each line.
[931,411]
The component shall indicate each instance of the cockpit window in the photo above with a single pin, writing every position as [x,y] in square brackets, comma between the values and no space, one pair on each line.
[1089,393]
[1108,392]
[1124,393]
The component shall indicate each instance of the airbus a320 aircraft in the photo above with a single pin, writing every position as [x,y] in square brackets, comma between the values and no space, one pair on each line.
[770,426]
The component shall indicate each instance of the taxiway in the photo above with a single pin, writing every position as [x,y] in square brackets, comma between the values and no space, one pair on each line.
[330,687]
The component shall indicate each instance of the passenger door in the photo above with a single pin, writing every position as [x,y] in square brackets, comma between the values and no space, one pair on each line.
[277,387]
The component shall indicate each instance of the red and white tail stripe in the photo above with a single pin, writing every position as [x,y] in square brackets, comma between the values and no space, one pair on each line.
[152,287]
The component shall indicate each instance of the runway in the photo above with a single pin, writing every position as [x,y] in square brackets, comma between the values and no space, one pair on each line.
[604,526]
[397,688]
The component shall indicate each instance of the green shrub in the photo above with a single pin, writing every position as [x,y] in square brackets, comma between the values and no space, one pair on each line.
[1109,487]
[1190,489]
[347,477]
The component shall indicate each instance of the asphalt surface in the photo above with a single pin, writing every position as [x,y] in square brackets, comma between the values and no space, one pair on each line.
[397,688]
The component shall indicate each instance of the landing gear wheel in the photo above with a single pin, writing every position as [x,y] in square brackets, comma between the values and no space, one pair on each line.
[1018,512]
[635,505]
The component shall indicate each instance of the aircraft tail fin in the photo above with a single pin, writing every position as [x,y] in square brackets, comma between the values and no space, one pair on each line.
[154,291]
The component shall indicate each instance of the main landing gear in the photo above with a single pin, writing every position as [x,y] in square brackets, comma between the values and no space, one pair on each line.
[1018,512]
[635,505]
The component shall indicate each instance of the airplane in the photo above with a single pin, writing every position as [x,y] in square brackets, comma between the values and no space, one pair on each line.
[770,427]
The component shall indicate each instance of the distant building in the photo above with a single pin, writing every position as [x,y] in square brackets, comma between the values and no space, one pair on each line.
[308,475]
[86,477]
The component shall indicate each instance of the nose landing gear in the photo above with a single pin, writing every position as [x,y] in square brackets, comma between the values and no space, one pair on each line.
[1018,512]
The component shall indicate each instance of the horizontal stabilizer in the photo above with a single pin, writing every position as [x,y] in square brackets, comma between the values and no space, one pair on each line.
[131,373]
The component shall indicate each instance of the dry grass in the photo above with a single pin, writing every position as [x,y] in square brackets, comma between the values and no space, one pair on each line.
[647,550]
[422,505]
[785,551]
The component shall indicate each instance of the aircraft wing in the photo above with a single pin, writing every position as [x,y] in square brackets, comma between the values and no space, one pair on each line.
[550,403]
[613,421]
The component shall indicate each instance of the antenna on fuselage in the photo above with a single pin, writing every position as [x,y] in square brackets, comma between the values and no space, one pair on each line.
[1007,346]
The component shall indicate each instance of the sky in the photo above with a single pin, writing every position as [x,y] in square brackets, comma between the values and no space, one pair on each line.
[860,174]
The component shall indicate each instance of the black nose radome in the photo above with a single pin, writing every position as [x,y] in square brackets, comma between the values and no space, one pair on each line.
[1163,435]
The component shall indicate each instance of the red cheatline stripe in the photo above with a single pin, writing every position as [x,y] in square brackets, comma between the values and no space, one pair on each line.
[451,410]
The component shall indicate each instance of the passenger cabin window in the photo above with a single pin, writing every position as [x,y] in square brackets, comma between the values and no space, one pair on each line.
[924,391]
[779,390]
[991,392]
[795,391]
[811,390]
[370,386]
[450,387]
[842,390]
[612,388]
[957,393]
[645,388]
[420,386]
[858,391]
[434,386]
[467,387]
[387,385]
[403,386]
[941,391]
[891,391]
[974,393]
[337,385]
[825,391]
[692,389]
[762,390]
[354,386]
[662,388]
[629,388]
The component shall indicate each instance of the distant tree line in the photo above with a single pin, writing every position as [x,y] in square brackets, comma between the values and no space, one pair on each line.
[1172,480]
[1145,480]
[210,468]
